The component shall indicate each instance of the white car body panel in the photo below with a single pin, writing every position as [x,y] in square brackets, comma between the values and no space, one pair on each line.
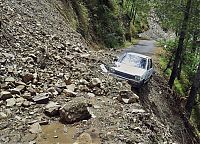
[125,67]
[130,70]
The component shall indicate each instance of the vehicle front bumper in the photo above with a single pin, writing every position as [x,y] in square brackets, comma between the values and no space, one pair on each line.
[132,82]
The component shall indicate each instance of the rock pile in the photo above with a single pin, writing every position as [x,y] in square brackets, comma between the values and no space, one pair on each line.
[155,31]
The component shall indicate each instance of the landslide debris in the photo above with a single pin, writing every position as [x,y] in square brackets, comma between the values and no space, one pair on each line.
[46,66]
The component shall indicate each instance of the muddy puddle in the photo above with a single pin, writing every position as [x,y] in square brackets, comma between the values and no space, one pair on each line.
[57,133]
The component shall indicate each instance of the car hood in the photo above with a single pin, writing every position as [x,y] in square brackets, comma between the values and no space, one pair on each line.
[130,69]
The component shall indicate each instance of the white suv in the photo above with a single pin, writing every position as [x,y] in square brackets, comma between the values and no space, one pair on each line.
[134,67]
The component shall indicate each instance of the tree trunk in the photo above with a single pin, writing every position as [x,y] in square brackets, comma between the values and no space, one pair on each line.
[179,70]
[193,92]
[180,44]
[169,63]
[194,41]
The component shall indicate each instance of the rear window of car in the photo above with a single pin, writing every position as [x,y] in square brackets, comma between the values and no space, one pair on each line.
[134,60]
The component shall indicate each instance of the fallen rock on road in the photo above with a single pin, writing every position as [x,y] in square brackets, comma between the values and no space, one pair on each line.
[74,111]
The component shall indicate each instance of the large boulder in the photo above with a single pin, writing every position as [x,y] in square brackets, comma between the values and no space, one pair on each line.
[74,111]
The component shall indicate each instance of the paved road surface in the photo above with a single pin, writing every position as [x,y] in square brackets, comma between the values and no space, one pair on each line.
[146,47]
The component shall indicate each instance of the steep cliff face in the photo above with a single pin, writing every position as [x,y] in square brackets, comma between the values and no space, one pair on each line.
[96,21]
[47,72]
[106,23]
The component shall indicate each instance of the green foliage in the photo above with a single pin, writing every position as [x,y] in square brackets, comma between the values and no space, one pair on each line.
[108,27]
[84,19]
[163,64]
[168,45]
[179,87]
[134,14]
[109,22]
[182,84]
[195,117]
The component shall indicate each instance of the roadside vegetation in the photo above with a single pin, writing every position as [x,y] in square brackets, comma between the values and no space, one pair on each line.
[181,60]
[109,23]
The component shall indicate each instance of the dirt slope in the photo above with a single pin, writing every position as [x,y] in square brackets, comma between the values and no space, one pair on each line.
[43,61]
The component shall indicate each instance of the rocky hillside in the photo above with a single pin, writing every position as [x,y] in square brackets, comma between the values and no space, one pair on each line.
[49,75]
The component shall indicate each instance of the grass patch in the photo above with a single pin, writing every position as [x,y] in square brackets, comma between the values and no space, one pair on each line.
[128,43]
[179,87]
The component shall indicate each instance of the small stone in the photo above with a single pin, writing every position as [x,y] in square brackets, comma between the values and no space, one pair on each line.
[67,79]
[27,96]
[95,82]
[17,83]
[28,78]
[10,69]
[71,87]
[61,85]
[83,88]
[51,109]
[84,138]
[19,101]
[5,95]
[125,100]
[2,115]
[83,81]
[41,98]
[35,128]
[33,56]
[4,86]
[26,103]
[32,91]
[32,142]
[91,95]
[65,129]
[18,89]
[138,129]
[69,93]
[138,111]
[9,79]
[133,99]
[127,97]
[11,102]
[2,61]
[8,111]
[96,107]
[18,118]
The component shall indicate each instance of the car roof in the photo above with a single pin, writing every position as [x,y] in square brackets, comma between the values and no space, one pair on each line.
[137,54]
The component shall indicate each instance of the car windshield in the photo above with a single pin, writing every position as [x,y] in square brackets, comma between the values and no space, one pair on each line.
[134,60]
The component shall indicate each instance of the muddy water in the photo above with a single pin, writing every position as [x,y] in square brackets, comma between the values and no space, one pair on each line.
[56,133]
